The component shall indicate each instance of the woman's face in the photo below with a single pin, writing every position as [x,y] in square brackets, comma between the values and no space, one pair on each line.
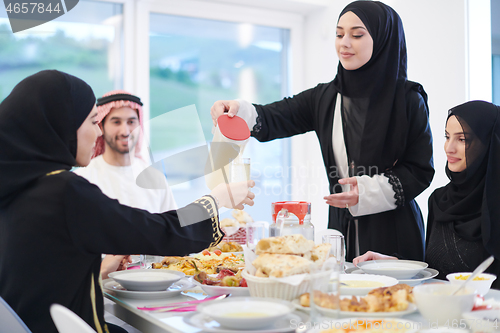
[354,44]
[86,135]
[454,145]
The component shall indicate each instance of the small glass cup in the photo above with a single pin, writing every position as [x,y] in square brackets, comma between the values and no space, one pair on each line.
[146,260]
[240,170]
[337,250]
[255,232]
[325,287]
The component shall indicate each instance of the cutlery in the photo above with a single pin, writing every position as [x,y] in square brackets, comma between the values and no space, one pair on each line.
[182,305]
[481,268]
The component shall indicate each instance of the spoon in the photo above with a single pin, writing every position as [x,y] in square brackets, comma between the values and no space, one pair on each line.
[481,268]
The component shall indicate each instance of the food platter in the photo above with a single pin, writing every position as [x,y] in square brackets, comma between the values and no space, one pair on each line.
[384,325]
[349,314]
[221,290]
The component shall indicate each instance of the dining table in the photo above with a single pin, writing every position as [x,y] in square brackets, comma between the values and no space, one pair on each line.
[127,309]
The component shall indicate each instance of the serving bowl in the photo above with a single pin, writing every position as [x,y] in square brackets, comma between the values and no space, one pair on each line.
[362,284]
[277,287]
[398,269]
[481,286]
[146,279]
[246,313]
[436,304]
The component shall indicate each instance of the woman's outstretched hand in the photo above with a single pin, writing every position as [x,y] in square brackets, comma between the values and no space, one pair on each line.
[219,107]
[234,195]
[372,256]
[345,199]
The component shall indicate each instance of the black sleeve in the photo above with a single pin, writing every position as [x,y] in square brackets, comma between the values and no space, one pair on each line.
[98,224]
[285,118]
[413,173]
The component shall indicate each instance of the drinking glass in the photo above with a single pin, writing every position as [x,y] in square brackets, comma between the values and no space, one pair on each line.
[240,170]
[325,287]
[255,232]
[146,260]
[337,250]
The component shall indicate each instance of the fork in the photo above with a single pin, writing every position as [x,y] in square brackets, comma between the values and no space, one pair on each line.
[182,306]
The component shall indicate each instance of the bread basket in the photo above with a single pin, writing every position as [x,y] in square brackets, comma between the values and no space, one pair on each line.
[274,288]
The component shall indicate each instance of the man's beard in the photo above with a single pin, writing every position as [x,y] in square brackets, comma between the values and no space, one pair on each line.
[114,146]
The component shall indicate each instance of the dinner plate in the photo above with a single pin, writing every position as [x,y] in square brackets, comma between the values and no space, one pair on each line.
[399,269]
[287,323]
[111,285]
[424,275]
[221,290]
[348,314]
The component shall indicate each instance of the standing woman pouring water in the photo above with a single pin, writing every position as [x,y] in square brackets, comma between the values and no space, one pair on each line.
[372,125]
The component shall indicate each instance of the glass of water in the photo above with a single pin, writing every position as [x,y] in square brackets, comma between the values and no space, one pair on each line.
[337,250]
[240,170]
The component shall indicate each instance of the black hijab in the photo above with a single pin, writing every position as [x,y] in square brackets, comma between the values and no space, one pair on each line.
[374,95]
[38,124]
[470,203]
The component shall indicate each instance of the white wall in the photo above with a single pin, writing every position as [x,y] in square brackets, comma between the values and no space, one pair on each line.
[437,41]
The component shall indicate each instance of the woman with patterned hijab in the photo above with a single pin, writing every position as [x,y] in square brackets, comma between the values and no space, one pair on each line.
[463,226]
[373,129]
[54,224]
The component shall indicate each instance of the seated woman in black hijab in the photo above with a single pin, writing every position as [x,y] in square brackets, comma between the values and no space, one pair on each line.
[54,224]
[463,226]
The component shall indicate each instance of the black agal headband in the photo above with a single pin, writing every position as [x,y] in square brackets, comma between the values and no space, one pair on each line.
[118,97]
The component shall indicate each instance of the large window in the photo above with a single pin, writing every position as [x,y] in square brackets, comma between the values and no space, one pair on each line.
[85,42]
[198,61]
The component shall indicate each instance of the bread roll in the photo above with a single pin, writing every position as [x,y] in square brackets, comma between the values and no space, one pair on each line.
[290,244]
[280,265]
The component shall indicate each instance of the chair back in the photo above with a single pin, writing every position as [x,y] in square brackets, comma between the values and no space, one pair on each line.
[67,321]
[10,321]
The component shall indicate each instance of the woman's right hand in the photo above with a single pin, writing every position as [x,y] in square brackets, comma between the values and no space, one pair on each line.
[219,107]
[234,195]
[372,256]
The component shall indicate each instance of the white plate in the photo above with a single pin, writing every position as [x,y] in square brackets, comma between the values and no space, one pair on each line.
[114,287]
[246,313]
[146,279]
[414,326]
[349,314]
[424,275]
[386,281]
[220,290]
[207,324]
[399,269]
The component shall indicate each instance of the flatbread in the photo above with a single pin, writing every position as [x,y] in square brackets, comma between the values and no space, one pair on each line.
[290,244]
[280,265]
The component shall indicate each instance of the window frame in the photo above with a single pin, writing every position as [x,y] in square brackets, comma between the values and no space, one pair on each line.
[212,10]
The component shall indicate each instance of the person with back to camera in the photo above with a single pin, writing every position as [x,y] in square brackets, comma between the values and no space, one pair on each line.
[372,125]
[59,223]
[463,225]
